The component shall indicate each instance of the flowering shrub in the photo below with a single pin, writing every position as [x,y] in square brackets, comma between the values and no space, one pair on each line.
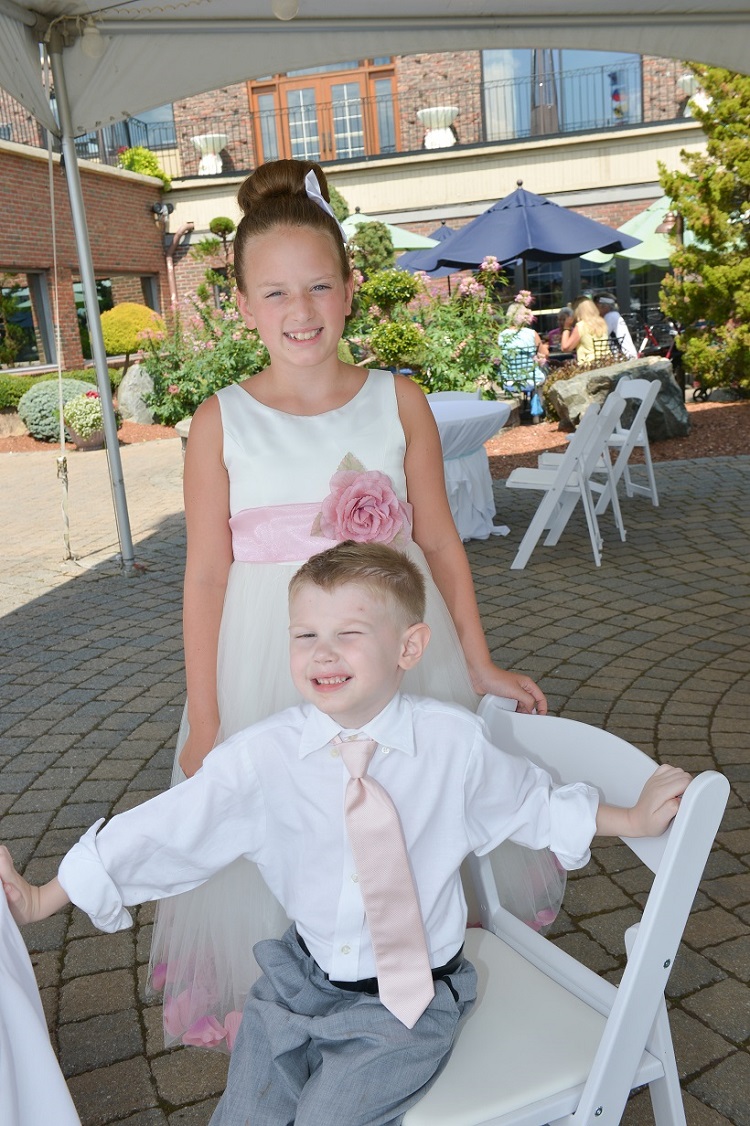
[84,414]
[209,348]
[448,339]
[460,332]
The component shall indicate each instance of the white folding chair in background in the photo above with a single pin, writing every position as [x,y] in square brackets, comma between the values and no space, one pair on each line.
[623,440]
[566,481]
[549,1041]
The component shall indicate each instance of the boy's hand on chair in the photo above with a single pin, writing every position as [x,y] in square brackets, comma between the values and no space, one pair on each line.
[659,801]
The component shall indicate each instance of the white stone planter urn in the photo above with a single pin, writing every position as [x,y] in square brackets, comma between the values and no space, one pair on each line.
[209,145]
[437,121]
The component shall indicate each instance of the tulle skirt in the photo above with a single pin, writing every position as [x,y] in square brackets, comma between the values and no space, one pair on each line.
[201,955]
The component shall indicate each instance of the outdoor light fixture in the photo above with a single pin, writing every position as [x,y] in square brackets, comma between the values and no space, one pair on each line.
[93,43]
[285,9]
[161,211]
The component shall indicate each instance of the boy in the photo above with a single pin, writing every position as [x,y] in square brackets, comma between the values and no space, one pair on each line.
[326,1036]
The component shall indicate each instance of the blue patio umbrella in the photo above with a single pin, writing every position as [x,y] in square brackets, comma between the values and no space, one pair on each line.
[524,225]
[425,260]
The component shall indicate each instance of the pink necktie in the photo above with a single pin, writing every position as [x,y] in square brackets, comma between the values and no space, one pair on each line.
[393,916]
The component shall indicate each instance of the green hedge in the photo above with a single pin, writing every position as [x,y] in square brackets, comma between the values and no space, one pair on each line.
[12,387]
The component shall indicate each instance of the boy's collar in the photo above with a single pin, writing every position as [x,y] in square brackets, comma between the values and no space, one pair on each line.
[392,727]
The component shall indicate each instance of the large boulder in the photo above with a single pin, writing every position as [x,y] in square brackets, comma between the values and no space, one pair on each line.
[131,393]
[668,418]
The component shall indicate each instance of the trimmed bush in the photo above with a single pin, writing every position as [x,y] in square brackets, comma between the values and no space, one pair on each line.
[38,408]
[126,327]
[13,387]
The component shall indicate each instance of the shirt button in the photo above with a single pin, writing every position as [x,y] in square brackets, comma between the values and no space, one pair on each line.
[355,878]
[386,750]
[346,949]
[334,752]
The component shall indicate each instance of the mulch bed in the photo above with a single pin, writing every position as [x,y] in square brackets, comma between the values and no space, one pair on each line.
[717,430]
[129,433]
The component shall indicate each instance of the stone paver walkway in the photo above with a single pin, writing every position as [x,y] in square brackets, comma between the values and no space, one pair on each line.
[654,645]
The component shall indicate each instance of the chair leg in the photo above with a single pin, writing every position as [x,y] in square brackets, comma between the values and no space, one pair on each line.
[650,473]
[593,524]
[612,486]
[666,1097]
[539,522]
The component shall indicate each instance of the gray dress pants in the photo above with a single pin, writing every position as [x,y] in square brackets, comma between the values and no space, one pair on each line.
[311,1054]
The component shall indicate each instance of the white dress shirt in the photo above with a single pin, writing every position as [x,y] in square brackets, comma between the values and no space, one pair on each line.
[617,325]
[274,793]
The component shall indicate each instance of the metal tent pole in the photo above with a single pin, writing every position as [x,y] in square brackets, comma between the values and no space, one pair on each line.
[91,301]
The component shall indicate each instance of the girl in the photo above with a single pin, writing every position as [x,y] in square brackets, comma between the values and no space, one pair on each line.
[309,452]
[586,332]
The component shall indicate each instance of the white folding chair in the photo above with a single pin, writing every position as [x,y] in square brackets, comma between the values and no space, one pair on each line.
[567,481]
[548,1040]
[455,394]
[624,440]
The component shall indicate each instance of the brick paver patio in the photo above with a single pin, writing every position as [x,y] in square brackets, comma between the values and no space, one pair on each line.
[654,645]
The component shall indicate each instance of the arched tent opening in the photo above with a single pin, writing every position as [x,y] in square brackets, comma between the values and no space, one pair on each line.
[110,62]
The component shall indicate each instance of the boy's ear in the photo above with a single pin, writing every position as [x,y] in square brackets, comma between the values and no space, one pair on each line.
[414,643]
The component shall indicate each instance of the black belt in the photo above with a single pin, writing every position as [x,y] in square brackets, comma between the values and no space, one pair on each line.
[370,984]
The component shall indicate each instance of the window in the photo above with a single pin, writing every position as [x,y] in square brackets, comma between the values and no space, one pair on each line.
[338,112]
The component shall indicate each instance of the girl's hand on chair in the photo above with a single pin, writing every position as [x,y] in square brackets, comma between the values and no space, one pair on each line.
[515,685]
[20,894]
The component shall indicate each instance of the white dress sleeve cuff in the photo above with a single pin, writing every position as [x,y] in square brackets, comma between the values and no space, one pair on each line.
[573,811]
[85,880]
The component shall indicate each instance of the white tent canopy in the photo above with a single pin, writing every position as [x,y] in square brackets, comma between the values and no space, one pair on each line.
[110,62]
[157,53]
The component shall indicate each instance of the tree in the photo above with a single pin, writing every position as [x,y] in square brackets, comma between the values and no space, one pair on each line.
[372,246]
[218,244]
[709,290]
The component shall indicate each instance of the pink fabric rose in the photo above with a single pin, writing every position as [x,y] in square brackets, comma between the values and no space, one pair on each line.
[362,506]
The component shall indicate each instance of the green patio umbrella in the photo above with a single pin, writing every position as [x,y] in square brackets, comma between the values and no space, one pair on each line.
[655,246]
[401,238]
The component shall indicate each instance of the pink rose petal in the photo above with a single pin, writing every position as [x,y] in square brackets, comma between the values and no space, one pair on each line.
[159,976]
[232,1022]
[206,1032]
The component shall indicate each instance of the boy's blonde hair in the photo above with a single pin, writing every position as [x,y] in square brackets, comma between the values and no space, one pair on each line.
[382,571]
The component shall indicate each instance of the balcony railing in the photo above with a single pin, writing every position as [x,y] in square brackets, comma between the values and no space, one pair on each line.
[546,104]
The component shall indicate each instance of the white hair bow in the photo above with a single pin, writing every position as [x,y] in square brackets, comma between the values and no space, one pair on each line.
[312,188]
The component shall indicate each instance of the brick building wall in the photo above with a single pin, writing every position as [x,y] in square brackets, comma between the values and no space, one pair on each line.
[125,240]
[453,78]
[230,108]
[662,98]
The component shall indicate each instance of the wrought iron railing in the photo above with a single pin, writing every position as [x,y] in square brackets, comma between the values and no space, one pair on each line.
[547,103]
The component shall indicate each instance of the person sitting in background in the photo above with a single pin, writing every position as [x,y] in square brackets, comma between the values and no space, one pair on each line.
[619,335]
[554,335]
[523,357]
[586,332]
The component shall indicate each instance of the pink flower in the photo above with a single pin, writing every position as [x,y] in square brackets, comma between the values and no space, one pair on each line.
[361,507]
[206,1032]
[173,389]
[232,1023]
[91,394]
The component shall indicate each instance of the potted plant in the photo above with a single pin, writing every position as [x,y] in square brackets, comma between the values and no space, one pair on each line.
[84,422]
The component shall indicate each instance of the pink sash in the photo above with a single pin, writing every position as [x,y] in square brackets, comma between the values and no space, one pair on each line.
[280,533]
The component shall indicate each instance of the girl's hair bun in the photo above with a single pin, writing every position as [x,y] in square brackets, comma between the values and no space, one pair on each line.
[279,178]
